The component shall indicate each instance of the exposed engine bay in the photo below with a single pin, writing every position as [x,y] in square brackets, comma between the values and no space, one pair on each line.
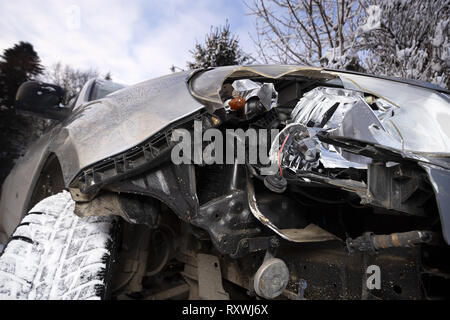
[335,198]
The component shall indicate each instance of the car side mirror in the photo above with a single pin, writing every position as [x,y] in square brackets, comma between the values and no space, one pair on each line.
[42,100]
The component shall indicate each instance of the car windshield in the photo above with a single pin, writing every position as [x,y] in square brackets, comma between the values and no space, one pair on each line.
[102,88]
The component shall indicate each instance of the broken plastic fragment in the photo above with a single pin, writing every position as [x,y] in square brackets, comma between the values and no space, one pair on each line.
[346,114]
[325,107]
[265,92]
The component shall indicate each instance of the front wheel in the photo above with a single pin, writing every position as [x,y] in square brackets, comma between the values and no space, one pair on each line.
[54,254]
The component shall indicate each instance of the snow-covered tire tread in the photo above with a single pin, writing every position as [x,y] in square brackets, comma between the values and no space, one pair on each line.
[55,255]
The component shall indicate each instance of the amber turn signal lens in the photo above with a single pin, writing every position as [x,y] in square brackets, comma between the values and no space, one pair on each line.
[237,103]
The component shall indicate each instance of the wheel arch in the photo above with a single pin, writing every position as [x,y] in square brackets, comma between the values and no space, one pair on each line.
[49,182]
[20,190]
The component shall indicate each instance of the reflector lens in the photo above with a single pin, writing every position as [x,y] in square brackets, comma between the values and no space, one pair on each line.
[237,103]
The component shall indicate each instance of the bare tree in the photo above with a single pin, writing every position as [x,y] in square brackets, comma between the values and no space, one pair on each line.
[409,39]
[308,32]
[69,78]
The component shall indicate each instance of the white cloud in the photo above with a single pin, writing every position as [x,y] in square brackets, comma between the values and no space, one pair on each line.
[135,40]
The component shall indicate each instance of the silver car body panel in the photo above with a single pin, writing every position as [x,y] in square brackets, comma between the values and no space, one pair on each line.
[96,131]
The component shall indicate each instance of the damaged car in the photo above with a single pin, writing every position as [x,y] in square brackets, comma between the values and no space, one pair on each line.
[236,182]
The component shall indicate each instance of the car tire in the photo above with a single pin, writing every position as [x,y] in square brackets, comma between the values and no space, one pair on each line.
[55,255]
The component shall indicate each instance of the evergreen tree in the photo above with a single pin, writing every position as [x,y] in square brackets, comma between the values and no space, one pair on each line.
[17,65]
[221,48]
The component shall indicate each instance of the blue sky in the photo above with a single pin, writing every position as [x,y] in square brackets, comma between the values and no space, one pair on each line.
[136,40]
